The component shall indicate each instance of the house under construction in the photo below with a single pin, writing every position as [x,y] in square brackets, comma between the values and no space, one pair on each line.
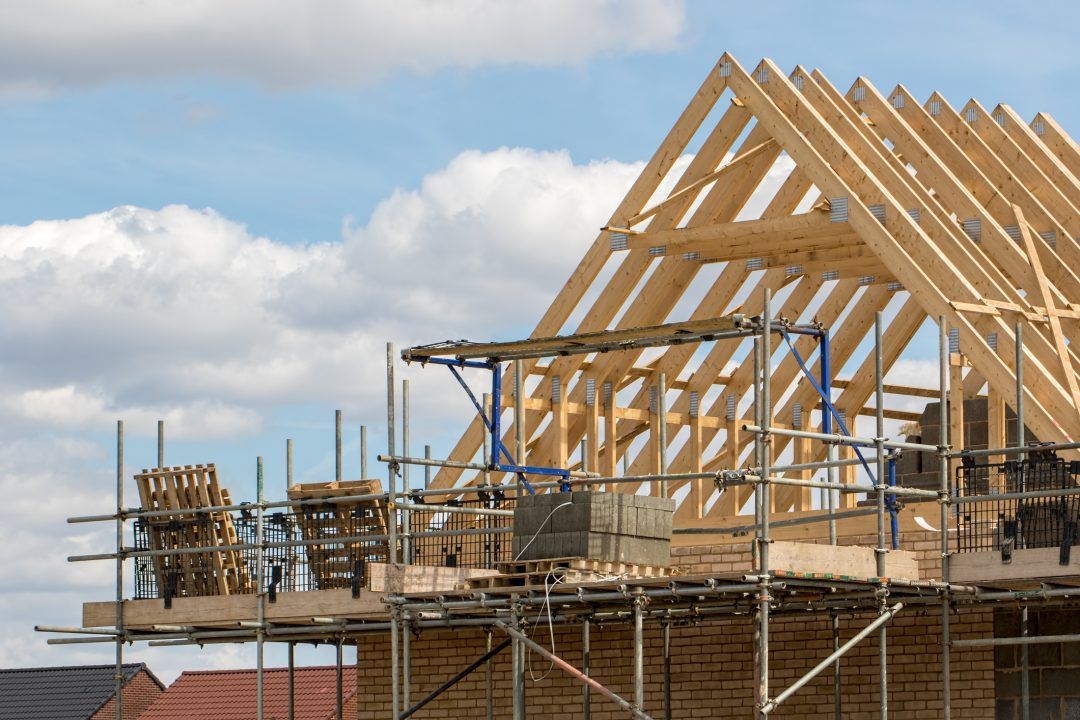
[691,492]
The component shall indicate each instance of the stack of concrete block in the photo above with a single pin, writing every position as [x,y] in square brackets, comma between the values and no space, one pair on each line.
[610,527]
[920,470]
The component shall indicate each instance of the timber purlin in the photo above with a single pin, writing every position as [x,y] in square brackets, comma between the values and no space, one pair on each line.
[804,129]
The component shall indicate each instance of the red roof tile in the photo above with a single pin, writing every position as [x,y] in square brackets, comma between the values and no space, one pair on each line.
[231,695]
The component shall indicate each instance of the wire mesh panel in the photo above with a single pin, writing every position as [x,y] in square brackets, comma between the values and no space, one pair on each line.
[331,548]
[331,561]
[1007,523]
[474,541]
[145,576]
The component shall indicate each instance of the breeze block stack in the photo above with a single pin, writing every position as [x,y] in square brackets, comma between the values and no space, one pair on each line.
[605,526]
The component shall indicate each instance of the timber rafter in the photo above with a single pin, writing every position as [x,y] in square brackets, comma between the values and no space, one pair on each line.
[843,204]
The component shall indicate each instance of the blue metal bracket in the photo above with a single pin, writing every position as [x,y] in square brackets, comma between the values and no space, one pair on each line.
[826,400]
[890,503]
[493,424]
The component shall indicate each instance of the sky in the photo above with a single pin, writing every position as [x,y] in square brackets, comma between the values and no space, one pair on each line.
[217,214]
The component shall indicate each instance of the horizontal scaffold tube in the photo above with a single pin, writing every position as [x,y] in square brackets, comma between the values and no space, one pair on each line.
[455,509]
[1015,450]
[1057,492]
[1028,640]
[840,487]
[843,439]
[820,465]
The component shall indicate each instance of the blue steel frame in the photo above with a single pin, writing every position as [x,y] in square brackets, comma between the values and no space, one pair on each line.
[494,425]
[494,428]
[890,502]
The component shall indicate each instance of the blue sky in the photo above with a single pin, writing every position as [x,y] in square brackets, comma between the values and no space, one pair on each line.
[290,163]
[302,189]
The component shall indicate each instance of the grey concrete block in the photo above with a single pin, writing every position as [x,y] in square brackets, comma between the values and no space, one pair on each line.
[627,521]
[528,520]
[570,518]
[655,503]
[654,523]
[604,517]
[538,500]
[568,544]
[594,498]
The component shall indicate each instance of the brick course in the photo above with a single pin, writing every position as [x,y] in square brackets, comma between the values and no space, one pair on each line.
[137,695]
[712,662]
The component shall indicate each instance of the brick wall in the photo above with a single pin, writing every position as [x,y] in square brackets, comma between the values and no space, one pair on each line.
[712,670]
[712,662]
[1053,668]
[137,695]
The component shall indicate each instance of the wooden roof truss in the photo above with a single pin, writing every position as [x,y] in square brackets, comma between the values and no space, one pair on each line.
[843,204]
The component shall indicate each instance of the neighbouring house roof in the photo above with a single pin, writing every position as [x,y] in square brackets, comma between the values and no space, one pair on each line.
[60,693]
[231,695]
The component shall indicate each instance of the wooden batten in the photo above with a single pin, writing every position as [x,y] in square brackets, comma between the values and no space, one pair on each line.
[221,611]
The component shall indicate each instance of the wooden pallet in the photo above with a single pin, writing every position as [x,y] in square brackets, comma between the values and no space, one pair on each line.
[185,487]
[541,573]
[333,564]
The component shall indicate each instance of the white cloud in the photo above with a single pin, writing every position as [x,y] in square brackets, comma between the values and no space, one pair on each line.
[288,43]
[71,408]
[184,315]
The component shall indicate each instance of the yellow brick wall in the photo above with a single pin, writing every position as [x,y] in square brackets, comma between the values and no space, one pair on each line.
[712,670]
[712,662]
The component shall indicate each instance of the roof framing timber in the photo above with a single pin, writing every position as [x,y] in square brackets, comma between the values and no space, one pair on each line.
[843,204]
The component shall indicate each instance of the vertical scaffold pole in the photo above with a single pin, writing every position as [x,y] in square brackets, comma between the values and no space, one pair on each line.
[661,412]
[340,684]
[119,569]
[392,554]
[639,651]
[586,651]
[661,403]
[395,653]
[363,452]
[517,661]
[406,660]
[879,551]
[489,687]
[763,542]
[406,514]
[756,386]
[519,420]
[825,368]
[337,446]
[488,559]
[1025,675]
[292,681]
[161,443]
[427,468]
[391,549]
[288,464]
[261,608]
[943,477]
[292,645]
[666,641]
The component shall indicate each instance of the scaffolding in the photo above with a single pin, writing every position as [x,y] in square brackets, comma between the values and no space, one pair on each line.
[667,601]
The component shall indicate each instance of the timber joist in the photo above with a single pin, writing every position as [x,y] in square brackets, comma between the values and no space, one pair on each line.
[843,204]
